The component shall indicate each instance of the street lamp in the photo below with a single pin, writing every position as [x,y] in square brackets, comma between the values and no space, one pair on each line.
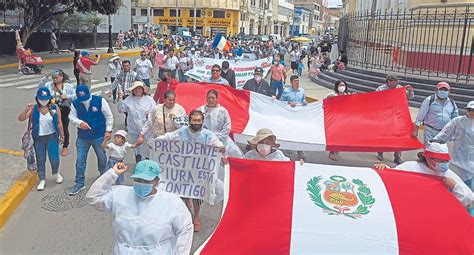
[110,49]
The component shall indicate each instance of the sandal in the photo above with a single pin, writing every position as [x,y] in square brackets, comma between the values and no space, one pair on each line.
[64,152]
[333,156]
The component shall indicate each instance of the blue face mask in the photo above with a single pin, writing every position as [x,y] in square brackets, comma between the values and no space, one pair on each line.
[441,167]
[142,189]
[443,94]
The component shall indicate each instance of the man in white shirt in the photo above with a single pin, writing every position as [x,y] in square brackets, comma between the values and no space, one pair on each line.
[94,121]
[171,62]
[144,68]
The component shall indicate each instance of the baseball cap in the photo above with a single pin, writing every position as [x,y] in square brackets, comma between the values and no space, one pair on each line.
[258,70]
[470,105]
[84,53]
[83,93]
[443,85]
[146,170]
[43,94]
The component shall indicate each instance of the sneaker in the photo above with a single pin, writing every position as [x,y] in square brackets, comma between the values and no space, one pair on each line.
[58,178]
[398,160]
[41,185]
[76,189]
[380,156]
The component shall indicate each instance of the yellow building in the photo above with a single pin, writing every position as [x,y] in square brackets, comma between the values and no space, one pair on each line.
[212,16]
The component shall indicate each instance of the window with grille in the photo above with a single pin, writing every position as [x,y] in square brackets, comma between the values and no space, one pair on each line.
[144,12]
[158,12]
[198,13]
[173,12]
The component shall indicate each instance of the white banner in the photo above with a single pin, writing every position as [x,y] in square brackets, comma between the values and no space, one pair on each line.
[187,169]
[243,69]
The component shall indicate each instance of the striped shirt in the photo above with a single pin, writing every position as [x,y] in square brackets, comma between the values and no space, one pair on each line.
[125,80]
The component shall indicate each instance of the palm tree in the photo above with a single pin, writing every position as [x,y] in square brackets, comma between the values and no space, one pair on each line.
[94,21]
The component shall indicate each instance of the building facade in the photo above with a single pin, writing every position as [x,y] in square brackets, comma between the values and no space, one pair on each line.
[285,18]
[204,17]
[301,21]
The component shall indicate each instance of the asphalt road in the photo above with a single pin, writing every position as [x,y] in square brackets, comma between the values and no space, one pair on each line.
[50,222]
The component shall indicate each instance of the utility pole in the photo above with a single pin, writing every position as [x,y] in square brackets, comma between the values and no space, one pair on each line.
[194,25]
[148,16]
[110,49]
[177,22]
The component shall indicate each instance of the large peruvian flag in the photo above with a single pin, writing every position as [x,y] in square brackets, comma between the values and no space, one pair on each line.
[369,122]
[285,208]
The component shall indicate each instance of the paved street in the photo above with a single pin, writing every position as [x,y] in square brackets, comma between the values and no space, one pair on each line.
[50,222]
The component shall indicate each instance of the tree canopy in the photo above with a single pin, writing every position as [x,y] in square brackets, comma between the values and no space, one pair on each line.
[38,12]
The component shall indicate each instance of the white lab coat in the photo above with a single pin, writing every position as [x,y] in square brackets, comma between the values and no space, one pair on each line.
[461,191]
[218,121]
[461,131]
[158,224]
[138,109]
[274,156]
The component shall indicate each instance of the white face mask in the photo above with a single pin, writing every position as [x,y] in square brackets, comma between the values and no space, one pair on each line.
[341,89]
[264,149]
[258,78]
[43,102]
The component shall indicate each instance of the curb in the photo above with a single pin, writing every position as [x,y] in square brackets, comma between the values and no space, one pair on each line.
[69,59]
[12,152]
[15,195]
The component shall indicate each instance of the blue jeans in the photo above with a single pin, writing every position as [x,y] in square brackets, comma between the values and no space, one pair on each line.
[277,85]
[47,144]
[110,164]
[82,148]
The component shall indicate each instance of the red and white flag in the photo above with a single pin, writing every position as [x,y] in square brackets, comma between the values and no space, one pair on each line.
[285,208]
[369,122]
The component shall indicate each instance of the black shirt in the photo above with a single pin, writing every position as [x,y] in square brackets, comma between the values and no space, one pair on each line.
[262,88]
[230,77]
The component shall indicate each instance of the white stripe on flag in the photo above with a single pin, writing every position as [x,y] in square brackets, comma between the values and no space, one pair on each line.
[308,134]
[222,43]
[340,234]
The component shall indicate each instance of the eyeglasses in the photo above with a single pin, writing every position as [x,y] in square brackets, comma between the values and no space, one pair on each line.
[215,70]
[470,110]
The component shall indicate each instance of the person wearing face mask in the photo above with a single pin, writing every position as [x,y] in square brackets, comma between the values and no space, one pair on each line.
[258,84]
[228,74]
[264,147]
[94,121]
[217,120]
[435,112]
[47,132]
[434,161]
[144,68]
[340,89]
[145,220]
[461,131]
[278,76]
[392,83]
[195,133]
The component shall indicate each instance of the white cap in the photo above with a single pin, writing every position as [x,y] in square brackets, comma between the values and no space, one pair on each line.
[437,150]
[470,105]
[121,133]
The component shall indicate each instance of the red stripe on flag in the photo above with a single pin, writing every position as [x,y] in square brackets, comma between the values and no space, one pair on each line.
[258,216]
[193,95]
[369,122]
[429,219]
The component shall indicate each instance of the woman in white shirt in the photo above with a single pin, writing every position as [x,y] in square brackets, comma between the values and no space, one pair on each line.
[138,106]
[113,69]
[47,132]
[340,89]
[264,147]
[217,119]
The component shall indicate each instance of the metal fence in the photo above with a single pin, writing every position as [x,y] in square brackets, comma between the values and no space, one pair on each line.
[428,42]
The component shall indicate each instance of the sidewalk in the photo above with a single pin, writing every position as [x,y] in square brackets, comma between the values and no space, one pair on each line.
[10,61]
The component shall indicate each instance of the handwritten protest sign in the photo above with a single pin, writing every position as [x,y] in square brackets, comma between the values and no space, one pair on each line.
[243,69]
[187,169]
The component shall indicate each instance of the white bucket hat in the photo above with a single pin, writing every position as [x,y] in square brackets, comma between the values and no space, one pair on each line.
[262,134]
[121,133]
[136,84]
[114,57]
[437,150]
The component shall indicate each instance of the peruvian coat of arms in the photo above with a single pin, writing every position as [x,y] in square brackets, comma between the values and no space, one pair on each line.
[338,196]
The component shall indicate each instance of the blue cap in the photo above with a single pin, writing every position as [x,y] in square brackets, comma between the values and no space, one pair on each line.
[146,170]
[83,93]
[43,94]
[84,53]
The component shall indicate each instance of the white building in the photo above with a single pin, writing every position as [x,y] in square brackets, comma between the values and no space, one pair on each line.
[285,18]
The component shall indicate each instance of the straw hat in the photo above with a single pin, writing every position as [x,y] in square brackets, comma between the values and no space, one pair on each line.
[114,57]
[262,134]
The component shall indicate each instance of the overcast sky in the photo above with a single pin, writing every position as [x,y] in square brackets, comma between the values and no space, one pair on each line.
[334,3]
